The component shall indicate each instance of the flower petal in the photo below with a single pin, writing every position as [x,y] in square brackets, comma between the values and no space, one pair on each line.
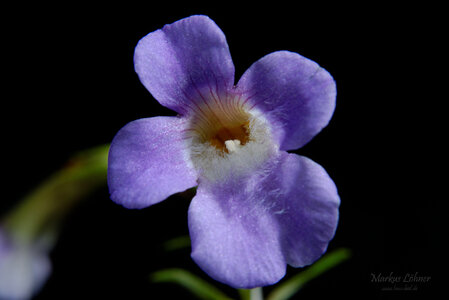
[307,211]
[182,59]
[295,93]
[24,268]
[147,163]
[245,232]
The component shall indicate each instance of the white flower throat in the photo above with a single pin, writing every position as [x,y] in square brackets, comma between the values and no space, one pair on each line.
[226,139]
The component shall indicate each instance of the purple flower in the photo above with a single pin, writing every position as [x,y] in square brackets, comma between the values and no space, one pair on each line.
[24,266]
[257,207]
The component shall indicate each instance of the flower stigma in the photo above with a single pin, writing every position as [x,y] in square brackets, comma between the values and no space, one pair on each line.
[232,145]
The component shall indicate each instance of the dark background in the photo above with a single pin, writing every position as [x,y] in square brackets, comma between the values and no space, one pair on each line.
[71,85]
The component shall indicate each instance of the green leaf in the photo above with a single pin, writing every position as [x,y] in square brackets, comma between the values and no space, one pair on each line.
[288,288]
[244,294]
[196,285]
[177,243]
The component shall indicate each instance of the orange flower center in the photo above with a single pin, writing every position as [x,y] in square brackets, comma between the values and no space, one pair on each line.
[224,125]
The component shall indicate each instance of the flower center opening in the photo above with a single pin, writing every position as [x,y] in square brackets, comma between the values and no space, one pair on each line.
[223,125]
[225,139]
[229,139]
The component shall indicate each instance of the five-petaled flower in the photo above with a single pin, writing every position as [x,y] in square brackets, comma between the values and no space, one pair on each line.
[257,207]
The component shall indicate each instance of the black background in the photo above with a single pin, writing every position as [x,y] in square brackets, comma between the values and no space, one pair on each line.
[71,85]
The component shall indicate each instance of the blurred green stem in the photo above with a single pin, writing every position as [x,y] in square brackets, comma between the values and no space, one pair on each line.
[177,243]
[44,208]
[288,288]
[251,294]
[197,286]
[256,294]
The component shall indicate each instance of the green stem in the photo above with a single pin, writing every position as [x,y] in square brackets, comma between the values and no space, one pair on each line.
[45,207]
[197,286]
[288,288]
[256,294]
